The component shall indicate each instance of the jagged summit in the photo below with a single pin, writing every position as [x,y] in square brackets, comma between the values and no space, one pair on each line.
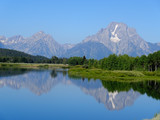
[121,39]
[39,33]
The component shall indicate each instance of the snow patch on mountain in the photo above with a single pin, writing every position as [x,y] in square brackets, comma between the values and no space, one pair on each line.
[114,37]
[112,97]
[113,33]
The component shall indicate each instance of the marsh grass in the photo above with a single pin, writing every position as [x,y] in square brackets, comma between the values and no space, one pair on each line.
[32,65]
[155,73]
[115,75]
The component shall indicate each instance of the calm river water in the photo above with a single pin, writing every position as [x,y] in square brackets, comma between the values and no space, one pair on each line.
[53,95]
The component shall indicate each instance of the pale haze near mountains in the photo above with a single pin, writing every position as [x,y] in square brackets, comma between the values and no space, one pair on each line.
[117,38]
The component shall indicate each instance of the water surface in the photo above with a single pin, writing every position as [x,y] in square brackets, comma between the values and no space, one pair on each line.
[52,94]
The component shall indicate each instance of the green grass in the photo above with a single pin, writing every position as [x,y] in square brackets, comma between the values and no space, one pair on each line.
[32,65]
[115,75]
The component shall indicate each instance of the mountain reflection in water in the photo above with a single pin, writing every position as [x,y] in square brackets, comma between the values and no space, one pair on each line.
[114,95]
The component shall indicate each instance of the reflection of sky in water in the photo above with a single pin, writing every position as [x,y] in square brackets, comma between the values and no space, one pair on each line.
[59,97]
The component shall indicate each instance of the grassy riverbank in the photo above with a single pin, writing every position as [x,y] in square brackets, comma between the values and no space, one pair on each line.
[115,75]
[32,65]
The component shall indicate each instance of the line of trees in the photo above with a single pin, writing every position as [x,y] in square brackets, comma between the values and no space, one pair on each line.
[13,56]
[37,59]
[121,62]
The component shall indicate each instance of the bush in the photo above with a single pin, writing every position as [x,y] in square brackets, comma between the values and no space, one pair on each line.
[85,66]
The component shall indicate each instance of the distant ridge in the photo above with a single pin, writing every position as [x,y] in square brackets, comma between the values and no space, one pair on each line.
[89,49]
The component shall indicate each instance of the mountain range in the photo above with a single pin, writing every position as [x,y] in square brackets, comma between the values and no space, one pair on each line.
[116,38]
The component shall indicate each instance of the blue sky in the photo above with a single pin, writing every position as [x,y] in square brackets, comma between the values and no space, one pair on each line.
[70,21]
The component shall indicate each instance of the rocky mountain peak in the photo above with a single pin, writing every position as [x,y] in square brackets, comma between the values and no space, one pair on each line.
[121,39]
[43,38]
[39,34]
[112,33]
[113,24]
[117,31]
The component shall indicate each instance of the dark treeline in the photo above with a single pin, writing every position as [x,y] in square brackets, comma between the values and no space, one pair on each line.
[35,59]
[13,56]
[120,62]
